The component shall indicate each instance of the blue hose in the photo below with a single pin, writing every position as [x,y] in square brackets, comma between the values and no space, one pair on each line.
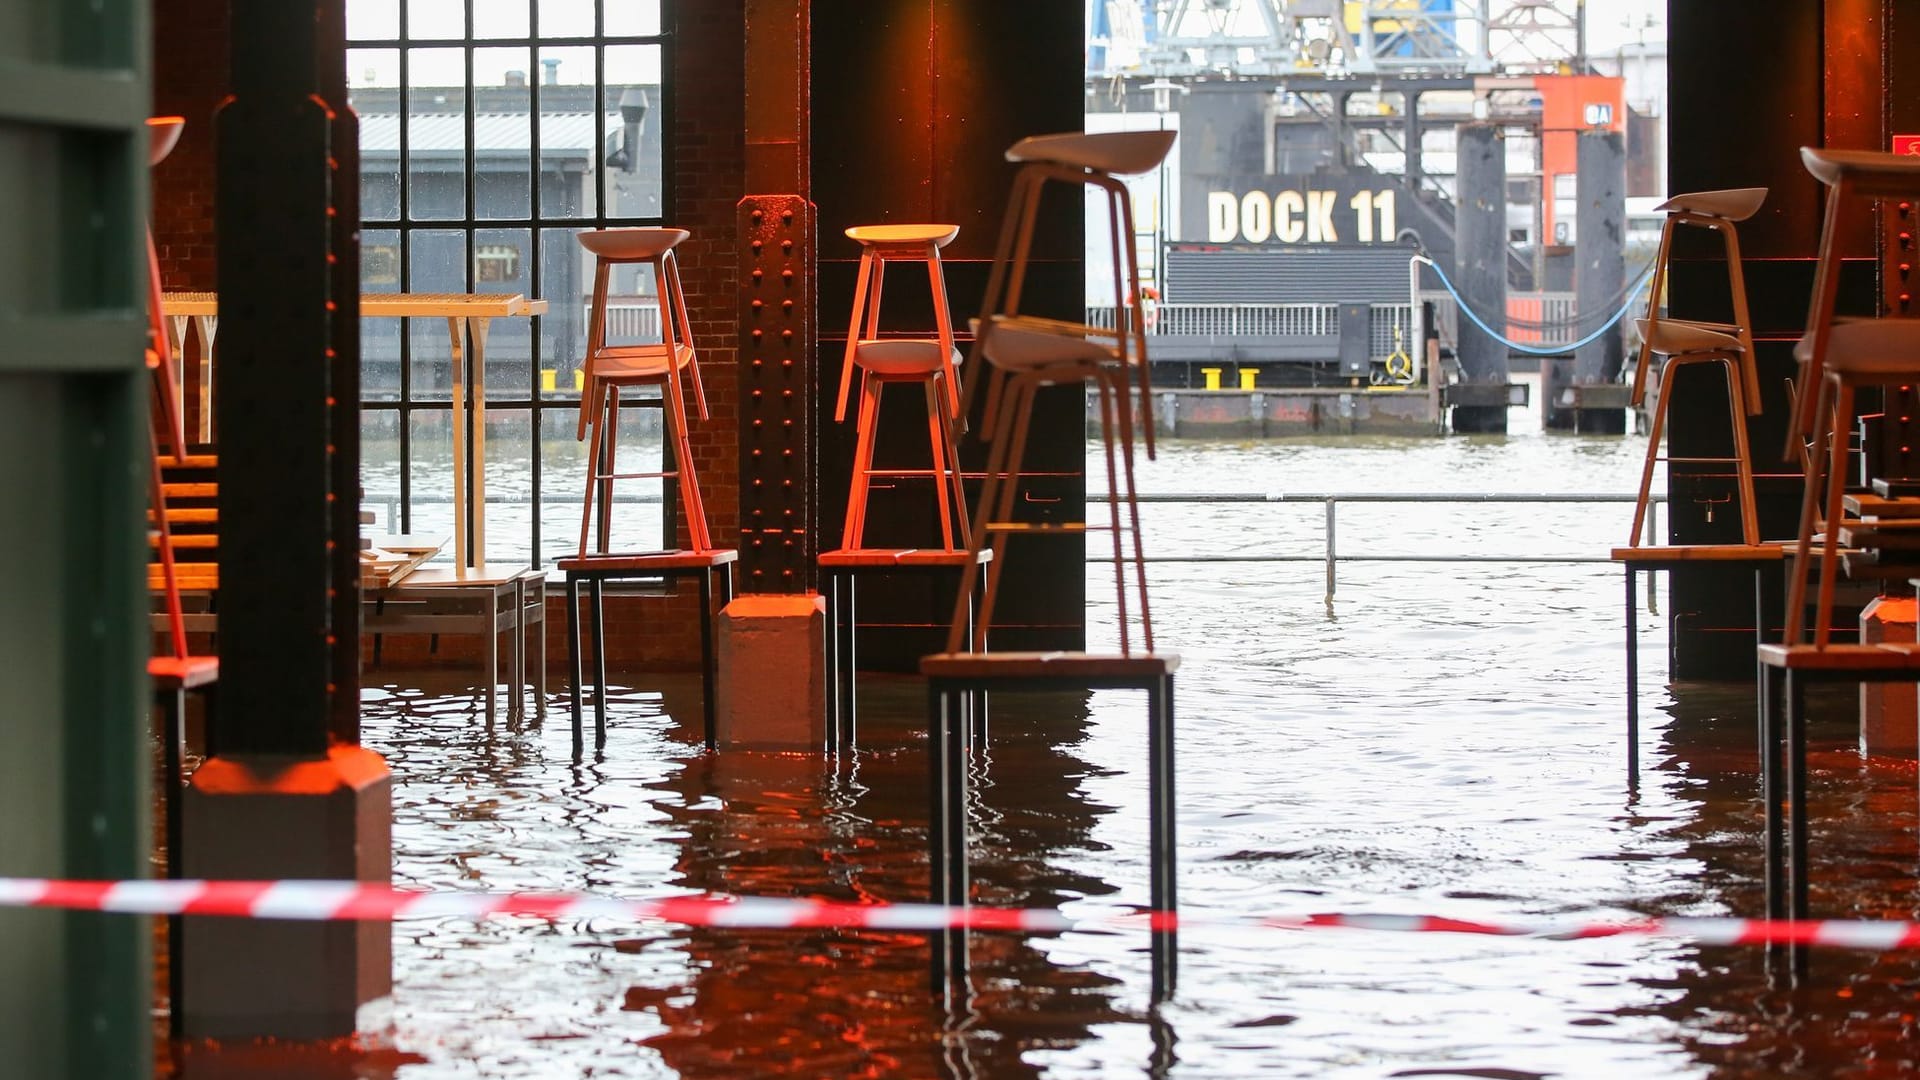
[1633,294]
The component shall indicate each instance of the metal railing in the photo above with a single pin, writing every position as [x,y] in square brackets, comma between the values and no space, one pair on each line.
[1528,314]
[1331,555]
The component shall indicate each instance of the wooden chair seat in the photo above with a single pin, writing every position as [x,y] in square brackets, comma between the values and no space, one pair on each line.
[1676,337]
[1869,173]
[903,356]
[1867,346]
[1020,342]
[639,362]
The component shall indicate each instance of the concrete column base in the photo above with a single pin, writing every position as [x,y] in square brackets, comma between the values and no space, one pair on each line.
[1889,712]
[772,689]
[261,817]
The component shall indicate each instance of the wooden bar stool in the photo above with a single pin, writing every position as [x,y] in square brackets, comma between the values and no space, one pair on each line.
[928,362]
[1687,342]
[1837,357]
[608,368]
[1024,354]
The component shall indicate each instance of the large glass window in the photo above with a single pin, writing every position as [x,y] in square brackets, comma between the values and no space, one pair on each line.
[491,133]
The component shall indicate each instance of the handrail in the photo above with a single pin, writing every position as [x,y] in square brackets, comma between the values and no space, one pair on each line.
[1331,499]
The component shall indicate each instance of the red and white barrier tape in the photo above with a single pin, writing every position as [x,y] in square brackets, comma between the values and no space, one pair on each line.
[329,900]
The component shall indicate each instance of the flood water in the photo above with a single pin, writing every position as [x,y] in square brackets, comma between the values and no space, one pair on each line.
[1440,738]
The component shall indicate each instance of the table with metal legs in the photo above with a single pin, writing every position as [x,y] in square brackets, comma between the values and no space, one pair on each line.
[840,571]
[595,571]
[953,676]
[1651,559]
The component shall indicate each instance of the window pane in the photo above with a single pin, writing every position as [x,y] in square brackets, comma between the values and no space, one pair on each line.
[373,19]
[566,280]
[379,338]
[380,469]
[374,76]
[439,265]
[430,475]
[633,18]
[500,18]
[436,134]
[566,18]
[436,19]
[502,158]
[509,472]
[567,133]
[501,265]
[637,507]
[633,131]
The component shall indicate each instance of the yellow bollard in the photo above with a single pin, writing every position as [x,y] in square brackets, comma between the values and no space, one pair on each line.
[549,380]
[1212,375]
[579,379]
[1247,376]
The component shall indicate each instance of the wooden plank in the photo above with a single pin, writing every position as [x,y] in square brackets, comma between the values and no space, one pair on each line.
[1699,553]
[652,560]
[1842,658]
[1874,506]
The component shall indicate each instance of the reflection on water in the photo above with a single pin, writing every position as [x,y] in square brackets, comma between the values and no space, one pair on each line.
[1442,738]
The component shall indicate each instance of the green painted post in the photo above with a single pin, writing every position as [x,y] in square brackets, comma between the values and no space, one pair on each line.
[77,994]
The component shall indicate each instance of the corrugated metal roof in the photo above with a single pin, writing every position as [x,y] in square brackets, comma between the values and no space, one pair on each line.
[445,133]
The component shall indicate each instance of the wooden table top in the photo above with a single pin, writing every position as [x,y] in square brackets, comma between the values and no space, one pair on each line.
[376,305]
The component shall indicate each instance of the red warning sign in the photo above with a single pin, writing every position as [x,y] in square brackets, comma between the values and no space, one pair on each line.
[1907,144]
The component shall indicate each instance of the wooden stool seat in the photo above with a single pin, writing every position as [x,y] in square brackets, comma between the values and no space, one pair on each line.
[163,133]
[631,245]
[914,235]
[1732,204]
[1869,173]
[1688,342]
[609,368]
[928,359]
[1115,153]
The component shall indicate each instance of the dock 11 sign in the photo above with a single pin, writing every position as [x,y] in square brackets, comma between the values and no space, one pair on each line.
[1302,215]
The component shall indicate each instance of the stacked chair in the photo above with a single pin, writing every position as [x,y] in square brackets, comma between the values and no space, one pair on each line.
[1015,355]
[672,365]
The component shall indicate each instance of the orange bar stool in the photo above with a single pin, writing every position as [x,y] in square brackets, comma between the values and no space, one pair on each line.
[1837,357]
[1688,342]
[668,364]
[1025,354]
[928,362]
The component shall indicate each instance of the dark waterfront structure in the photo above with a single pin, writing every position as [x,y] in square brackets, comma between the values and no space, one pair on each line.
[858,112]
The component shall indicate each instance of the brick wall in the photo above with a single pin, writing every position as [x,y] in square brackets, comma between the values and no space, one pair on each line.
[189,79]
